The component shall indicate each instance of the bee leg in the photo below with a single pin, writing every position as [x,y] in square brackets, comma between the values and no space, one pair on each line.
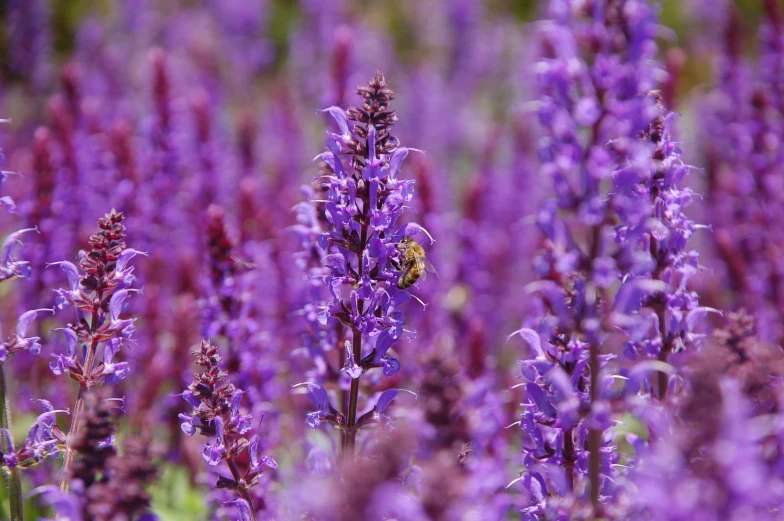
[396,264]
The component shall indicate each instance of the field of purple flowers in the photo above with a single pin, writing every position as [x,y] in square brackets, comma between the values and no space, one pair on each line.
[426,260]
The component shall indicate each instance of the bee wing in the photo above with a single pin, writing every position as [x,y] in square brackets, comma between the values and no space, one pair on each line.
[421,265]
[427,265]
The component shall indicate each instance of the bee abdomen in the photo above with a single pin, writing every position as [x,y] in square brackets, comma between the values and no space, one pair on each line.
[408,278]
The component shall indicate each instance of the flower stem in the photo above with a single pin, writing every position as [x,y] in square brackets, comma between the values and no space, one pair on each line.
[663,378]
[569,457]
[235,472]
[76,417]
[356,347]
[594,435]
[14,483]
[351,433]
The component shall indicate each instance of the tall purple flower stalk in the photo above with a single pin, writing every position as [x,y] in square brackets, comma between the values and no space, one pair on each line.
[615,264]
[743,161]
[364,200]
[97,289]
[655,232]
[29,39]
[42,441]
[216,413]
[240,324]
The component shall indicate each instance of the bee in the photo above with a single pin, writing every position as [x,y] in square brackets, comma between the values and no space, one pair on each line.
[465,451]
[414,263]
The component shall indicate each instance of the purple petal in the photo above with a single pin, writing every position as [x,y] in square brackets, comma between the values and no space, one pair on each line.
[212,454]
[386,339]
[110,350]
[631,293]
[187,425]
[390,366]
[396,161]
[411,229]
[7,201]
[125,256]
[340,117]
[116,303]
[253,451]
[71,339]
[533,340]
[71,272]
[318,395]
[386,398]
[12,244]
[697,314]
[189,397]
[26,319]
[242,506]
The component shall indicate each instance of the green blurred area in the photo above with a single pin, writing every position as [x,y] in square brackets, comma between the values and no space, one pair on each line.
[396,19]
[174,498]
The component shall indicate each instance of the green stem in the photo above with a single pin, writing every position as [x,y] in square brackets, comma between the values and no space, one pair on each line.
[351,433]
[14,483]
[594,436]
[242,490]
[76,416]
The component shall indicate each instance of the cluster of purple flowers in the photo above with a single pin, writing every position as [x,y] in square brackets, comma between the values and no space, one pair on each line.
[555,198]
[97,290]
[216,414]
[742,166]
[364,200]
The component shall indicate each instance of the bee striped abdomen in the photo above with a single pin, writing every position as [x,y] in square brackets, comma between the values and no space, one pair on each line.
[409,277]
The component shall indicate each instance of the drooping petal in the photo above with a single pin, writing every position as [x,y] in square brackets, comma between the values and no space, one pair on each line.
[71,272]
[27,318]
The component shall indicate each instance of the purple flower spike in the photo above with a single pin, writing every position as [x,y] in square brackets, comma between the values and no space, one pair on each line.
[616,263]
[96,280]
[216,414]
[368,260]
[743,167]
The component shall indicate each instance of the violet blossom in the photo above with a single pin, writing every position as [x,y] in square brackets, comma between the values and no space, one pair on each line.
[743,161]
[98,290]
[215,413]
[364,200]
[615,244]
